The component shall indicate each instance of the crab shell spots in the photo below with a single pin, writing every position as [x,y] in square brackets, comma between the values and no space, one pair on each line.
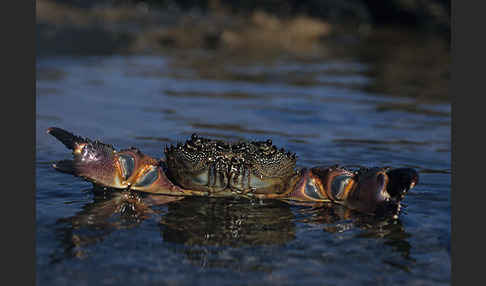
[213,165]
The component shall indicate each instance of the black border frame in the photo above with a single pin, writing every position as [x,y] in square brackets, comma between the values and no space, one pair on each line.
[18,195]
[19,88]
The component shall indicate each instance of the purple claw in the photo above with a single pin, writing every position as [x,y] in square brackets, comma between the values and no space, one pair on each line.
[68,139]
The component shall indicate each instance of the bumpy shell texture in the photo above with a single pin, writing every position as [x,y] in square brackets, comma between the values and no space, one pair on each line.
[242,167]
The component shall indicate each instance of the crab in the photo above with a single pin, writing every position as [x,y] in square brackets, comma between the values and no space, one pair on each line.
[248,169]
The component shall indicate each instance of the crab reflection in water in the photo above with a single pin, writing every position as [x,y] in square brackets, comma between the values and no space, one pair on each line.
[204,225]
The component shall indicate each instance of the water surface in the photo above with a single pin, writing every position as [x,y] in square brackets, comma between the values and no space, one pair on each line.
[328,109]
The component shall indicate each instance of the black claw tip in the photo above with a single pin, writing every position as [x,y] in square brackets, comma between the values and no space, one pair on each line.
[401,181]
[67,138]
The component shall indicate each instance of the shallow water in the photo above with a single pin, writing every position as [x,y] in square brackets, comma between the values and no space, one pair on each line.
[329,110]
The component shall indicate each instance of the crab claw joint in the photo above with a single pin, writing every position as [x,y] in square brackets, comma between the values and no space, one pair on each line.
[92,160]
[101,164]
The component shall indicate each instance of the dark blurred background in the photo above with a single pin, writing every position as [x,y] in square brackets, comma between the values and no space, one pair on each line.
[406,33]
[120,25]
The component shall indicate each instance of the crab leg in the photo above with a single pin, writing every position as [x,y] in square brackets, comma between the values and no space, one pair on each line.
[374,190]
[101,164]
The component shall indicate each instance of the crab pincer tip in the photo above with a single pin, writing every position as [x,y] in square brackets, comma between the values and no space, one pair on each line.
[53,130]
[67,138]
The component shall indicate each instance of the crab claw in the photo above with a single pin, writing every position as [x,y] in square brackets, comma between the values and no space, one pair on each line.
[102,165]
[92,160]
[373,191]
[381,190]
[401,181]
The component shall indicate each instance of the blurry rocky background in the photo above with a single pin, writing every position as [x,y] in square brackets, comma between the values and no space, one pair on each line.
[410,34]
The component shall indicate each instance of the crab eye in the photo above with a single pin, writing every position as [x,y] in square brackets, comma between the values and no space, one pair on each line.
[127,164]
[148,178]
